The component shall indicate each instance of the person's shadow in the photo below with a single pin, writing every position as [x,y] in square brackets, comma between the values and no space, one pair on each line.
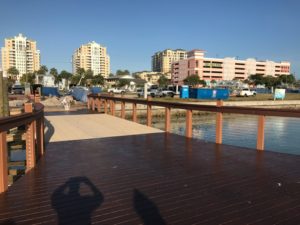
[146,209]
[71,206]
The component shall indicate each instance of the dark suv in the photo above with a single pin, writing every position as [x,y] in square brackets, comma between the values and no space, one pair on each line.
[17,90]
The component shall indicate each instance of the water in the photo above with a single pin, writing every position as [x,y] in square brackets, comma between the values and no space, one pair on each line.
[281,133]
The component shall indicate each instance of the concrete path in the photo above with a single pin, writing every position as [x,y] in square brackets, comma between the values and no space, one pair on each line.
[88,126]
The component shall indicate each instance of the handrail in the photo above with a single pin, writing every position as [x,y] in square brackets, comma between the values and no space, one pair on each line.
[33,119]
[9,122]
[208,108]
[108,101]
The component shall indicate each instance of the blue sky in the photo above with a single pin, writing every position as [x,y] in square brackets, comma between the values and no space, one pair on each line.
[132,30]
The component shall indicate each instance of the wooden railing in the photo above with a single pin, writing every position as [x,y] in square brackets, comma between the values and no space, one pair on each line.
[109,102]
[33,119]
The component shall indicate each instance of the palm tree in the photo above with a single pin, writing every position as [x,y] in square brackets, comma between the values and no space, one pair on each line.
[13,72]
[66,75]
[41,72]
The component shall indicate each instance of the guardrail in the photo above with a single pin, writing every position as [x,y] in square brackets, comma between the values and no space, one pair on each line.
[108,102]
[33,119]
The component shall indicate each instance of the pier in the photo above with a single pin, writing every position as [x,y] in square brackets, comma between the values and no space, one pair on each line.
[100,169]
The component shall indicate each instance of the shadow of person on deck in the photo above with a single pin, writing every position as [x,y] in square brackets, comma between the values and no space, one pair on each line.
[71,206]
[146,209]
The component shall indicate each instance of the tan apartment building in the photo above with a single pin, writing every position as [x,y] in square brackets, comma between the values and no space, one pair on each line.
[224,69]
[92,56]
[162,61]
[21,53]
[150,77]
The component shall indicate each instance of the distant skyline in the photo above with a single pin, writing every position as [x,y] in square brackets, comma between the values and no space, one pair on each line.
[133,30]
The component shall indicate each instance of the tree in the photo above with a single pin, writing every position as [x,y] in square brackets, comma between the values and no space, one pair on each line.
[98,80]
[163,81]
[57,77]
[122,72]
[123,82]
[256,79]
[43,70]
[13,72]
[28,78]
[194,80]
[67,76]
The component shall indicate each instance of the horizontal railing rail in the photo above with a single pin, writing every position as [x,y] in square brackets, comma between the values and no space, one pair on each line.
[33,119]
[108,103]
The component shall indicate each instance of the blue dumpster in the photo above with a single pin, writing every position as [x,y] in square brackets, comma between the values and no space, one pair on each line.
[184,93]
[96,90]
[208,93]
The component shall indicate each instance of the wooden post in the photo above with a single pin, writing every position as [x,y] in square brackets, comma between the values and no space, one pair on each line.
[37,98]
[168,119]
[42,128]
[93,104]
[30,140]
[3,163]
[189,128]
[123,110]
[105,106]
[89,103]
[134,115]
[260,144]
[113,104]
[98,104]
[219,124]
[149,112]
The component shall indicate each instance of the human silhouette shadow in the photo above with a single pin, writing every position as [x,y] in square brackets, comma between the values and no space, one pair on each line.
[71,206]
[146,209]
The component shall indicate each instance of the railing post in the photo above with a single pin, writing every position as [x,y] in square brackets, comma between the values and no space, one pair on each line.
[105,106]
[260,144]
[219,124]
[89,103]
[189,131]
[93,104]
[3,163]
[99,104]
[37,98]
[123,110]
[168,119]
[149,112]
[134,115]
[42,128]
[30,140]
[113,105]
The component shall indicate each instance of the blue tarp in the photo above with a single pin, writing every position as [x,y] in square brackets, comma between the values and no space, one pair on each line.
[80,93]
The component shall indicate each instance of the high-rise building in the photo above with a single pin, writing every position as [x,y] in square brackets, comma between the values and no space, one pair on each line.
[224,69]
[92,56]
[21,53]
[162,61]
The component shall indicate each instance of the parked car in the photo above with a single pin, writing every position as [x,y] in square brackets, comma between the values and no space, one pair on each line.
[150,92]
[116,90]
[245,92]
[165,93]
[17,90]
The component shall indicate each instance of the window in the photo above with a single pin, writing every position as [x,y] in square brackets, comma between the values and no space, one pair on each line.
[197,64]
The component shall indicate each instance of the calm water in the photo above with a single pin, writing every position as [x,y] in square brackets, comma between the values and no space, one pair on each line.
[281,134]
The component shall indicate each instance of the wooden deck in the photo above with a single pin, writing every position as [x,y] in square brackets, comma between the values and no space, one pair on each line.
[151,178]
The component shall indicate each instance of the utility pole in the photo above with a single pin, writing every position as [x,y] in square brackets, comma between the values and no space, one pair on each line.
[4,108]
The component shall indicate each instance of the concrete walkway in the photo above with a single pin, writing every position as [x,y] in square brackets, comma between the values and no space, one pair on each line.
[88,126]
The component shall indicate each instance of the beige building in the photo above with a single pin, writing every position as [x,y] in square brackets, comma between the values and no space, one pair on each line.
[150,77]
[21,53]
[224,68]
[162,61]
[92,56]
